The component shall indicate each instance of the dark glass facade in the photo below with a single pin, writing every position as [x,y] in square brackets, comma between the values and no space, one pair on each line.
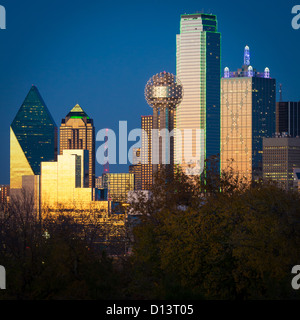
[263,118]
[213,85]
[288,118]
[35,130]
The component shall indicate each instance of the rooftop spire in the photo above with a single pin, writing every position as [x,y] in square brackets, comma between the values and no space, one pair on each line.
[247,56]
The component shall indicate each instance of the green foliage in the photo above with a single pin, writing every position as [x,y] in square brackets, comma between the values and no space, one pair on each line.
[221,238]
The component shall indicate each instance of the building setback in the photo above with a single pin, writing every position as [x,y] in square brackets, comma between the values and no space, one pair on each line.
[77,132]
[281,156]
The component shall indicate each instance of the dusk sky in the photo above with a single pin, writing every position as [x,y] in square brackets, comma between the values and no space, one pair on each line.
[100,54]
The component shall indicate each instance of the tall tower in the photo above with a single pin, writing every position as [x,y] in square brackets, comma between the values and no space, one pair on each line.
[77,132]
[33,138]
[198,68]
[146,152]
[163,93]
[248,115]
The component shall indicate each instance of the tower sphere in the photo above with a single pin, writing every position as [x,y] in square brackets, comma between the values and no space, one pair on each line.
[163,90]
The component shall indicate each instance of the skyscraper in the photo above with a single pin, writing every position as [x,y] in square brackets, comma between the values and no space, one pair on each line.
[33,138]
[288,118]
[248,115]
[136,168]
[199,70]
[77,132]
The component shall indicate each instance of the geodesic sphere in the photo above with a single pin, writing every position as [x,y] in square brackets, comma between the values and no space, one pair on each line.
[163,90]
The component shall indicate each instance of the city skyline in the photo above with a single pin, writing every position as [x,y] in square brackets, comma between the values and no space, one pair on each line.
[85,79]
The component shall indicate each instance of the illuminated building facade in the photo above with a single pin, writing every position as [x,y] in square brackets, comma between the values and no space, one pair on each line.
[146,152]
[118,185]
[65,182]
[288,118]
[199,70]
[281,157]
[77,132]
[33,138]
[248,101]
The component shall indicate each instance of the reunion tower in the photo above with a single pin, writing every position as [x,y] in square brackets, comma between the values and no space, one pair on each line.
[163,93]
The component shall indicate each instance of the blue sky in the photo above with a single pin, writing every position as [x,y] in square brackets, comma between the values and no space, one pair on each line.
[100,54]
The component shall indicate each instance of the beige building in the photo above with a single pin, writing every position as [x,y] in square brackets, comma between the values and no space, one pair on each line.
[65,182]
[236,125]
[77,132]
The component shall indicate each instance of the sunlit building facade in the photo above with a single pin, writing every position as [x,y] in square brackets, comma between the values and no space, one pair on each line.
[199,70]
[33,138]
[118,185]
[77,132]
[66,181]
[248,102]
[281,158]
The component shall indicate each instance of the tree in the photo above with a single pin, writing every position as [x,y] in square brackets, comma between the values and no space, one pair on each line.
[220,237]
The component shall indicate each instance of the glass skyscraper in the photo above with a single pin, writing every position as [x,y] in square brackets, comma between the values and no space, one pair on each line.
[248,115]
[288,118]
[33,138]
[199,70]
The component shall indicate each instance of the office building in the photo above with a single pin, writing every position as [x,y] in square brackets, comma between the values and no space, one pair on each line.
[118,185]
[77,132]
[288,118]
[248,102]
[33,138]
[199,70]
[136,168]
[146,152]
[281,156]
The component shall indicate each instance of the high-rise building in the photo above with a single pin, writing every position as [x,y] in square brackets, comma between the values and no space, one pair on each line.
[33,138]
[118,185]
[248,115]
[146,152]
[288,118]
[136,168]
[199,70]
[77,132]
[281,157]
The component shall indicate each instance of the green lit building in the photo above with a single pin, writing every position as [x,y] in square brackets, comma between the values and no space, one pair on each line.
[199,70]
[33,139]
[77,131]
